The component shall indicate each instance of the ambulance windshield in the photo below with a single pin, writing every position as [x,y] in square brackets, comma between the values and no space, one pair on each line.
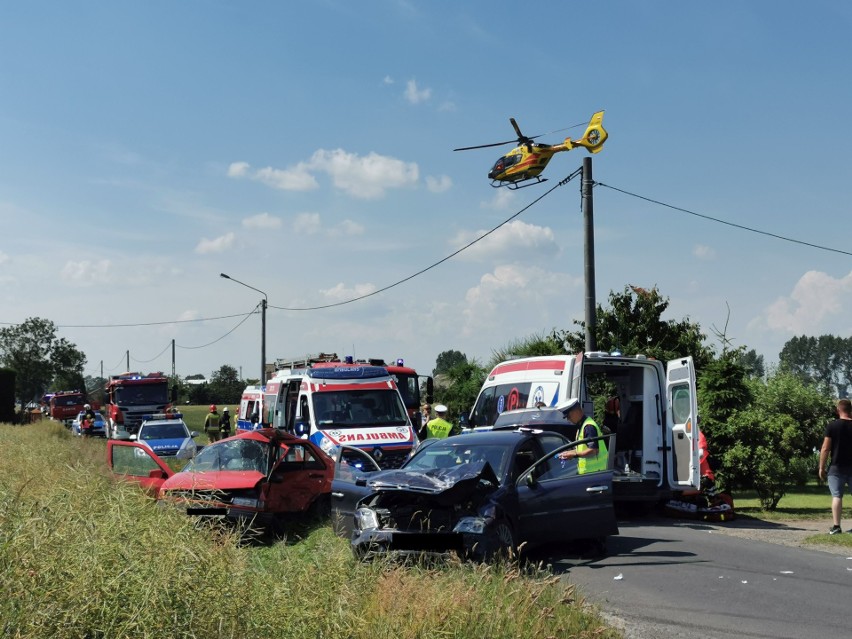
[355,408]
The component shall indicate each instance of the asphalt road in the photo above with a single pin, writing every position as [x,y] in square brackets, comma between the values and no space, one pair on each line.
[663,579]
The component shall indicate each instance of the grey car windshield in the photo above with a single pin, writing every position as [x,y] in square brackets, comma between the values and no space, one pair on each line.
[231,454]
[354,408]
[454,452]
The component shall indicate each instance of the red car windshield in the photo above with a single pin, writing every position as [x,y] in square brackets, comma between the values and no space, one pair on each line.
[231,454]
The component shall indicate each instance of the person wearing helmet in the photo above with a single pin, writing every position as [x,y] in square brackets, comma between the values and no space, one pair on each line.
[87,422]
[225,423]
[211,424]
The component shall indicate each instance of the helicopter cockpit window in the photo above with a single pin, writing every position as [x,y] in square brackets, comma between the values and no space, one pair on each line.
[512,160]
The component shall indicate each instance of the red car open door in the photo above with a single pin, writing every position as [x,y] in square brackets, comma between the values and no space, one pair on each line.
[137,463]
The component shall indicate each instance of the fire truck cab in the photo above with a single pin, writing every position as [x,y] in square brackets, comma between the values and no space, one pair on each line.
[131,396]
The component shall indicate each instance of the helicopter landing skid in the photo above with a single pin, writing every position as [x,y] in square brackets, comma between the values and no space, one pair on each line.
[519,184]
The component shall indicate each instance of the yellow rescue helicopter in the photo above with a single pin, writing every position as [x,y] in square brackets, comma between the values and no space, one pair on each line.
[522,166]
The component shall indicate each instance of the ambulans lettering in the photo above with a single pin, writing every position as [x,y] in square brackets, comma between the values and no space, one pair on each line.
[354,438]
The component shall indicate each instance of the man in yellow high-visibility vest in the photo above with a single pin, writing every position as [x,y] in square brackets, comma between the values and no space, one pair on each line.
[439,427]
[592,456]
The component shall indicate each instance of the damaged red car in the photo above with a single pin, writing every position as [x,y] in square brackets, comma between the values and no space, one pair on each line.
[262,478]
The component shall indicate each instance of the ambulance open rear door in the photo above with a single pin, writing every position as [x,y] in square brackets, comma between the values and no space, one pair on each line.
[683,463]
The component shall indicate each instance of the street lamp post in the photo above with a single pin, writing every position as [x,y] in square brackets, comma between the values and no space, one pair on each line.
[263,304]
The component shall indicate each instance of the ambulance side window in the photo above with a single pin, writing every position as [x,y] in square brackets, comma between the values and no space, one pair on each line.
[304,409]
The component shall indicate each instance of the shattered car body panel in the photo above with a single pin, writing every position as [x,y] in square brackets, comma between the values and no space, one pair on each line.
[258,477]
[475,495]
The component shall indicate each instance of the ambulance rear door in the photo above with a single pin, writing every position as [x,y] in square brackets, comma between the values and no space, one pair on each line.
[682,424]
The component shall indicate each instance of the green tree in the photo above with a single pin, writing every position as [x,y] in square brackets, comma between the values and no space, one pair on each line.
[38,356]
[826,360]
[225,385]
[446,360]
[463,382]
[633,325]
[723,390]
[534,345]
[753,363]
[769,445]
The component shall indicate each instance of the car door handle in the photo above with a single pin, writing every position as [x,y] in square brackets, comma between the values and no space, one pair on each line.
[315,475]
[337,495]
[597,489]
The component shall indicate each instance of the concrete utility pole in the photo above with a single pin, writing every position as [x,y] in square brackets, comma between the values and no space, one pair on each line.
[173,358]
[589,255]
[263,304]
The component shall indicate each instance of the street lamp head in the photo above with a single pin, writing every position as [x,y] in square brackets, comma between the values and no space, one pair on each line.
[226,276]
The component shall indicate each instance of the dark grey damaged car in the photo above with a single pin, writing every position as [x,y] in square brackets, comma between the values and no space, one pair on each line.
[476,495]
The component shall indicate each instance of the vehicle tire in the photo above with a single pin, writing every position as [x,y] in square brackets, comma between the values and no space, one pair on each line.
[504,548]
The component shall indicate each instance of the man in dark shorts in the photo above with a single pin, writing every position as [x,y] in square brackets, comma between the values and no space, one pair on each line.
[837,442]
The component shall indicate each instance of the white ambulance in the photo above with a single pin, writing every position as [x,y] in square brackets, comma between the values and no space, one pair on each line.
[335,404]
[655,452]
[250,412]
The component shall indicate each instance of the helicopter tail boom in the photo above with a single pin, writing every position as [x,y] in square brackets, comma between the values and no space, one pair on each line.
[594,137]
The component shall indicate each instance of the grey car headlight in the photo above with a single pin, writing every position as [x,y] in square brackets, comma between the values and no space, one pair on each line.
[366,519]
[474,525]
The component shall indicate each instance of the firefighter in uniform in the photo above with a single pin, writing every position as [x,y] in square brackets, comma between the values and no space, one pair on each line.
[591,457]
[211,425]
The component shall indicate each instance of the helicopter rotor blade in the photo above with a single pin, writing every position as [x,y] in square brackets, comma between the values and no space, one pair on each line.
[485,146]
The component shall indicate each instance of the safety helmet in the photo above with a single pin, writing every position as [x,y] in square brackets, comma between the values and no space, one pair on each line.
[212,408]
[87,407]
[225,410]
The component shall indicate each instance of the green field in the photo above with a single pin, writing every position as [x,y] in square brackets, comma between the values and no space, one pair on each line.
[84,555]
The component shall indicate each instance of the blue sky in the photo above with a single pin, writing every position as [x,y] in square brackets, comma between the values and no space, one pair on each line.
[306,150]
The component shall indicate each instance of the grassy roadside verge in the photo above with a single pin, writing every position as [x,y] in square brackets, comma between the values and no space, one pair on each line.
[812,502]
[84,556]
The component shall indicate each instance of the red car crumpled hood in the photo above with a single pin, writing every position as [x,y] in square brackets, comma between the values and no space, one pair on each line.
[213,480]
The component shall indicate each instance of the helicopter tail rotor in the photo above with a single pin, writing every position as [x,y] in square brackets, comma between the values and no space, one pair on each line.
[594,137]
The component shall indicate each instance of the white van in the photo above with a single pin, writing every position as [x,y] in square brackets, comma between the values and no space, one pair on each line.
[655,453]
[336,404]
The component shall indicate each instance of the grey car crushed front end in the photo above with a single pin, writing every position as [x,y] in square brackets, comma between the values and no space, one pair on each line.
[451,510]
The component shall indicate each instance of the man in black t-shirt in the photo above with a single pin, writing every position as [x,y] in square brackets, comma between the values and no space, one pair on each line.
[837,442]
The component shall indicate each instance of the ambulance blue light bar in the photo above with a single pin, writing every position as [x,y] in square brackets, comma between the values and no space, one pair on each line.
[349,372]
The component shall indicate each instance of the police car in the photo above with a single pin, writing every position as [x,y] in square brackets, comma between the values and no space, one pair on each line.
[167,435]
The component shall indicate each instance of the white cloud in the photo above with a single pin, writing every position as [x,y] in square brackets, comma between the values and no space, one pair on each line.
[513,239]
[238,169]
[341,293]
[415,95]
[311,224]
[502,200]
[439,184]
[86,273]
[366,177]
[514,296]
[447,106]
[216,245]
[347,227]
[703,252]
[297,178]
[262,221]
[307,223]
[388,80]
[816,299]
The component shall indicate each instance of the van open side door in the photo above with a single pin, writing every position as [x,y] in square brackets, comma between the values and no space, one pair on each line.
[682,424]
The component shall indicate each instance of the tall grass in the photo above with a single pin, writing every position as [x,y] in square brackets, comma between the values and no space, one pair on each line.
[82,555]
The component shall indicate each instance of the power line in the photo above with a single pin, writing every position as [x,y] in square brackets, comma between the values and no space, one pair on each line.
[439,262]
[184,321]
[148,361]
[715,219]
[240,323]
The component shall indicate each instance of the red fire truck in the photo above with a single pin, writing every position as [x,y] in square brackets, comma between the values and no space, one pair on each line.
[64,405]
[130,396]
